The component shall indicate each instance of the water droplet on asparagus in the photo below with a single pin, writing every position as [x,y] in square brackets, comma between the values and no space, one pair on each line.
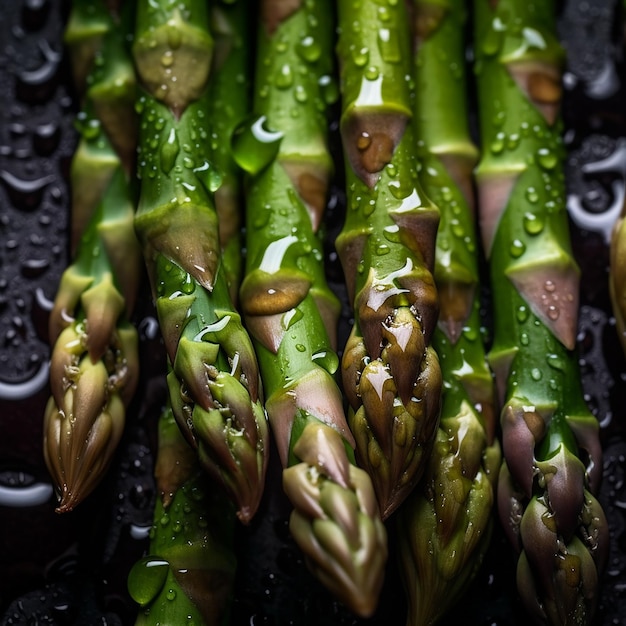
[146,579]
[254,146]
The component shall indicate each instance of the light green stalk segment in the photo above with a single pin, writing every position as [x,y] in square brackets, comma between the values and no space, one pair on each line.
[391,375]
[550,438]
[94,365]
[214,381]
[290,310]
[188,575]
[445,525]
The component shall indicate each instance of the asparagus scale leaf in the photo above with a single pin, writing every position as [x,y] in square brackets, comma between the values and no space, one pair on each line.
[391,374]
[289,309]
[214,381]
[444,527]
[94,363]
[188,575]
[550,439]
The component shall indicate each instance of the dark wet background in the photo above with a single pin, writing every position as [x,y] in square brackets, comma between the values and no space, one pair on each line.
[71,570]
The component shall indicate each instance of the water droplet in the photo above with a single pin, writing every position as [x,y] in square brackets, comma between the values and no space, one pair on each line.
[171,594]
[328,89]
[547,159]
[300,347]
[517,248]
[388,44]
[556,362]
[290,318]
[360,56]
[372,72]
[309,49]
[255,147]
[532,196]
[392,233]
[167,59]
[326,359]
[174,35]
[284,78]
[301,96]
[536,374]
[382,249]
[497,145]
[522,314]
[169,152]
[523,339]
[553,312]
[146,579]
[533,224]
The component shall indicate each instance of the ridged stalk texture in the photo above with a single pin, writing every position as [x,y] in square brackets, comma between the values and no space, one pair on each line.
[445,525]
[188,575]
[289,309]
[94,364]
[214,379]
[550,439]
[391,374]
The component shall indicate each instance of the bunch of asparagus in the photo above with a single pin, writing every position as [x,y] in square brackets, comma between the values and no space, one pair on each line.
[290,310]
[408,156]
[213,380]
[551,448]
[94,365]
[444,527]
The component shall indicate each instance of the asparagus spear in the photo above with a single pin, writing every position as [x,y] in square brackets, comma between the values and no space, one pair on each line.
[550,439]
[188,575]
[390,372]
[290,310]
[94,363]
[213,381]
[444,527]
[228,106]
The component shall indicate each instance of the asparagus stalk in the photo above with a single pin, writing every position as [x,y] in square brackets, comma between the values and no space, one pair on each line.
[391,374]
[94,363]
[214,380]
[290,310]
[444,527]
[228,106]
[550,439]
[188,575]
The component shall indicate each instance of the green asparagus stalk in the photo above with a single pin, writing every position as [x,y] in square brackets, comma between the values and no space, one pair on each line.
[228,106]
[94,363]
[550,439]
[444,527]
[188,575]
[391,374]
[290,310]
[214,380]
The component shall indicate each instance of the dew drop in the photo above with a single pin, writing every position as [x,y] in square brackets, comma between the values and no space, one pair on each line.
[536,374]
[309,49]
[547,159]
[533,224]
[532,196]
[146,579]
[254,146]
[169,152]
[524,339]
[388,44]
[553,312]
[284,78]
[522,314]
[360,56]
[517,248]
